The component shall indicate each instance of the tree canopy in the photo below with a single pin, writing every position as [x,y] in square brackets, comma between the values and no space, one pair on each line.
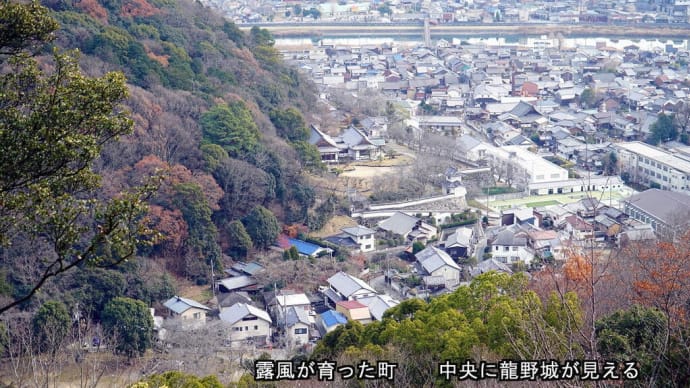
[53,124]
[232,127]
[290,124]
[239,240]
[495,316]
[130,324]
[663,129]
[262,226]
[51,323]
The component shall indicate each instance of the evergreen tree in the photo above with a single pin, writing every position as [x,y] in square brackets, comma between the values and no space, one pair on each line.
[262,226]
[130,323]
[663,129]
[51,323]
[240,242]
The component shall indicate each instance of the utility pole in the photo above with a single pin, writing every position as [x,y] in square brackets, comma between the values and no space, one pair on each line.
[427,32]
[213,280]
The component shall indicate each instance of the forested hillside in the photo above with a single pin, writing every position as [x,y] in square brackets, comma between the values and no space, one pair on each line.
[216,120]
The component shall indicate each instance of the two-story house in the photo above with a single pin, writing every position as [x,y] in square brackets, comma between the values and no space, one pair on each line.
[358,238]
[246,321]
[186,308]
[437,267]
[510,246]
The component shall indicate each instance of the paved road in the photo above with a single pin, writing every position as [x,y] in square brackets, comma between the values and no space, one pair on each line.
[379,284]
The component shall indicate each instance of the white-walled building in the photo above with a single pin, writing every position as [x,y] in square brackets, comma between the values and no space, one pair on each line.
[528,167]
[297,325]
[362,236]
[246,321]
[510,246]
[650,165]
[186,308]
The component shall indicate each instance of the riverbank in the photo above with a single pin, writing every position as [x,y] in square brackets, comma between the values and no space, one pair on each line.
[320,30]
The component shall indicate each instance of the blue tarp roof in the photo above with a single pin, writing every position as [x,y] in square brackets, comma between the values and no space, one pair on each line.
[332,318]
[304,247]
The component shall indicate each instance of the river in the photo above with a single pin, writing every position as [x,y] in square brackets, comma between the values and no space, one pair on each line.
[529,41]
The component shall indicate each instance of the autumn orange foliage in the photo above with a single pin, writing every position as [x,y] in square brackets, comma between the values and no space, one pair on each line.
[293,230]
[661,276]
[162,59]
[171,225]
[577,269]
[93,9]
[153,165]
[140,8]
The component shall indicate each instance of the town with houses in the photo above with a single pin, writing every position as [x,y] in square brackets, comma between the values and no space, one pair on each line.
[567,130]
[454,11]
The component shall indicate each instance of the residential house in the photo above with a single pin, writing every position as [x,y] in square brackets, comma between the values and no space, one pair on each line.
[460,243]
[227,299]
[437,267]
[297,326]
[567,148]
[519,216]
[280,303]
[523,115]
[488,266]
[329,321]
[510,246]
[186,308]
[330,151]
[246,321]
[359,146]
[578,229]
[237,283]
[354,311]
[343,286]
[409,227]
[545,244]
[241,277]
[470,149]
[378,305]
[358,237]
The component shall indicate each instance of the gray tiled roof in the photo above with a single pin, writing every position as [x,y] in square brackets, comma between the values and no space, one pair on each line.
[461,237]
[237,282]
[379,304]
[399,223]
[295,315]
[490,265]
[347,284]
[238,311]
[179,304]
[358,230]
[667,206]
[467,142]
[432,258]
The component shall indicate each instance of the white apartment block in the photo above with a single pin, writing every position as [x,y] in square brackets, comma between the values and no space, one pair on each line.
[525,167]
[651,165]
